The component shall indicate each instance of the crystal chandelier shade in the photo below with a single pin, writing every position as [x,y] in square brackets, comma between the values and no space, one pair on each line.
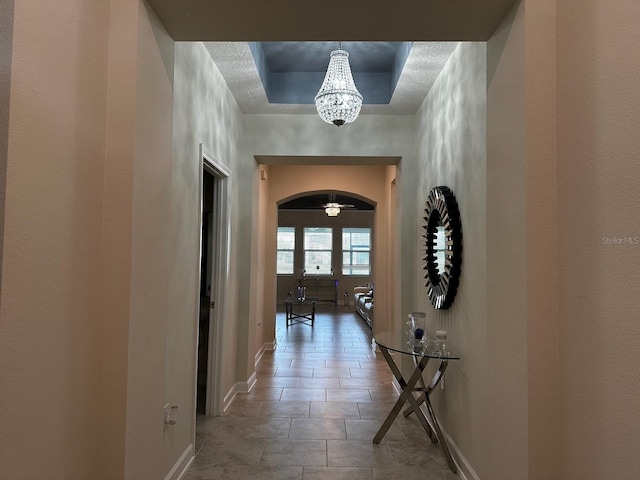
[338,101]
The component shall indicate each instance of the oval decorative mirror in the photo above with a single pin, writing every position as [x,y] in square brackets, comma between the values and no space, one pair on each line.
[443,247]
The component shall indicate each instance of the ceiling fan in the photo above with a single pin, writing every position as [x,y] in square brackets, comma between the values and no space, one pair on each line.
[332,207]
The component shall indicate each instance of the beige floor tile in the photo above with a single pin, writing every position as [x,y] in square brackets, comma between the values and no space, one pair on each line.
[228,427]
[294,372]
[352,453]
[299,349]
[317,429]
[365,430]
[273,382]
[348,395]
[375,411]
[343,363]
[320,356]
[261,472]
[342,410]
[262,393]
[352,356]
[383,395]
[361,383]
[305,453]
[230,451]
[248,408]
[284,410]
[304,395]
[408,472]
[332,372]
[337,473]
[319,382]
[308,363]
[204,471]
[426,455]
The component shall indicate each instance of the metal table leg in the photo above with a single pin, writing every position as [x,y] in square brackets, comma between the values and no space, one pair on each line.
[430,424]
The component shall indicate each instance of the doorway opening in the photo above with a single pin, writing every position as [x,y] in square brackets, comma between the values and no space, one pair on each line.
[206,303]
[212,279]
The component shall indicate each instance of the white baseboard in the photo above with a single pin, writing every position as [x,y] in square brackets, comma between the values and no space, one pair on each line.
[182,465]
[267,347]
[465,470]
[238,387]
[228,398]
[245,387]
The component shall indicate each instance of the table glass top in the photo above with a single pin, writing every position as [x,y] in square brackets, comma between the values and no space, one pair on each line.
[300,300]
[404,341]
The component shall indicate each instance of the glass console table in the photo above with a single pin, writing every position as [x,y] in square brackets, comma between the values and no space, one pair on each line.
[422,351]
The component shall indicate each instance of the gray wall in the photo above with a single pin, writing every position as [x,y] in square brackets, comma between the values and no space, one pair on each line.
[451,150]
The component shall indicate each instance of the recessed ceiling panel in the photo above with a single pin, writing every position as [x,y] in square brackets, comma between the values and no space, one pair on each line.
[292,72]
[245,68]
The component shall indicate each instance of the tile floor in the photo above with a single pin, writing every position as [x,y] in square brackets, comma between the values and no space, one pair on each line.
[319,399]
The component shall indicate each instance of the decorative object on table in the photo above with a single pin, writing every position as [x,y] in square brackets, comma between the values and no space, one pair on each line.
[416,322]
[301,292]
[443,247]
[440,345]
[419,320]
[338,101]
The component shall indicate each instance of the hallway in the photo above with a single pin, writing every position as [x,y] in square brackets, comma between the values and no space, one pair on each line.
[318,401]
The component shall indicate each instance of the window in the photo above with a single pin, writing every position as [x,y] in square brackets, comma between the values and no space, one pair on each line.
[318,243]
[286,246]
[356,251]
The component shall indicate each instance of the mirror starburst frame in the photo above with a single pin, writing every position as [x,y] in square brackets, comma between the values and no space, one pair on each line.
[442,210]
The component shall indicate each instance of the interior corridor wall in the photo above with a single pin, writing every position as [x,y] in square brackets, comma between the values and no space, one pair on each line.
[204,112]
[599,237]
[151,449]
[50,314]
[451,150]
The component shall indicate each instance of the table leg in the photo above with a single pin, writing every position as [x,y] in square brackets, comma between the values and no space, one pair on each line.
[407,388]
[437,377]
[313,313]
[431,424]
[425,398]
[443,441]
[288,307]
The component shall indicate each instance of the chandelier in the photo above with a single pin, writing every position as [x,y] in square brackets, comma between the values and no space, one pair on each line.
[338,100]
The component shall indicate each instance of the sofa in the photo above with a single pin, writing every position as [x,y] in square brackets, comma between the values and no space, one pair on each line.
[363,301]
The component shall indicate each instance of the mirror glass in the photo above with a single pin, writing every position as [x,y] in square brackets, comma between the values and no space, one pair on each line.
[439,248]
